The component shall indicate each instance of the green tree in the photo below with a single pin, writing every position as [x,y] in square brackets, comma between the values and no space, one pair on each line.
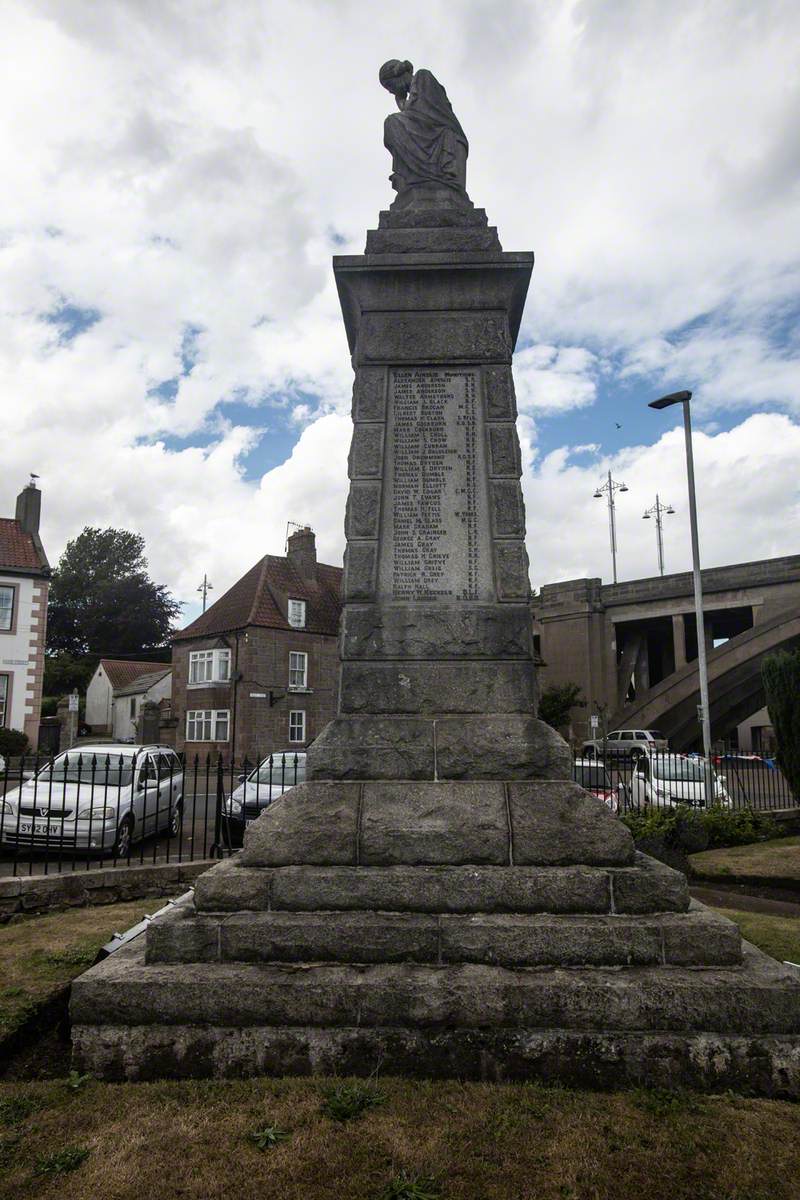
[556,703]
[781,677]
[103,603]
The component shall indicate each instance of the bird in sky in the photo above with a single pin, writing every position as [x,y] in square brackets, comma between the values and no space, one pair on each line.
[618,425]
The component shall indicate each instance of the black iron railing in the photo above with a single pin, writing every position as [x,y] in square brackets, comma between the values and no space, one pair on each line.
[91,808]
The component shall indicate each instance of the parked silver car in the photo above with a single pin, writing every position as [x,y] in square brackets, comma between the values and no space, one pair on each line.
[271,778]
[96,797]
[625,745]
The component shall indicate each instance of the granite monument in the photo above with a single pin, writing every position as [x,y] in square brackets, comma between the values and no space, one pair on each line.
[439,898]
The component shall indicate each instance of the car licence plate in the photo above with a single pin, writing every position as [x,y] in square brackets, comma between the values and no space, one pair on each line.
[40,827]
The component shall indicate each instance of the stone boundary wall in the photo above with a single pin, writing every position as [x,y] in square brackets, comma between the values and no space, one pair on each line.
[38,893]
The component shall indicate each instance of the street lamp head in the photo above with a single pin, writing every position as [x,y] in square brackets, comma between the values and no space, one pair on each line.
[668,401]
[624,487]
[598,495]
[646,516]
[670,511]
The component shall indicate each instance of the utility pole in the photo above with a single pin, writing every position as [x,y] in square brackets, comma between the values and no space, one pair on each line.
[659,511]
[205,588]
[610,487]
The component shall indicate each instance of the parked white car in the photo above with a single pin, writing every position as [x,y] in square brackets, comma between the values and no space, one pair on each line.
[671,779]
[271,778]
[102,797]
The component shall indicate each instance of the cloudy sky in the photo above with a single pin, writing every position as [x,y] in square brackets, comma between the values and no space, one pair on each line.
[179,172]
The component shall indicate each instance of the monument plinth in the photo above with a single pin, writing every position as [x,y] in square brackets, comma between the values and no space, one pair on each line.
[439,898]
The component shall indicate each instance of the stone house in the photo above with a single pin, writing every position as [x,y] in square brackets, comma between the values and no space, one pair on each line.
[257,671]
[108,690]
[24,584]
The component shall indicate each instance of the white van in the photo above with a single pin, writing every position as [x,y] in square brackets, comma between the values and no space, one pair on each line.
[102,797]
[671,779]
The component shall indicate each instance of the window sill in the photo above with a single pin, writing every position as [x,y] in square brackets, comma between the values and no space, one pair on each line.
[300,691]
[208,683]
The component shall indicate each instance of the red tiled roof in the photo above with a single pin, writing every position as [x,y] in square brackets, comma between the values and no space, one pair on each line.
[257,600]
[18,550]
[121,673]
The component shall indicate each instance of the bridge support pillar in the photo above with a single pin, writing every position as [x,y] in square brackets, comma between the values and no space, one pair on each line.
[679,640]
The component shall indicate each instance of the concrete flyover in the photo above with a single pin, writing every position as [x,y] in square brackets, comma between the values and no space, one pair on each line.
[734,686]
[632,646]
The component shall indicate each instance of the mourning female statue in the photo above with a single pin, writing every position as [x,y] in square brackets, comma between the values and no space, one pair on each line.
[424,138]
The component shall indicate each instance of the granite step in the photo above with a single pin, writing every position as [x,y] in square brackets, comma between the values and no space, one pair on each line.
[768,1065]
[647,886]
[760,997]
[697,938]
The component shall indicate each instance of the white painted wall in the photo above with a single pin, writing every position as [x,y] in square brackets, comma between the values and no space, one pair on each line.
[124,724]
[18,649]
[98,700]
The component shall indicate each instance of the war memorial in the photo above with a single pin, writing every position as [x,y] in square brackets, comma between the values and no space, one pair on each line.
[439,899]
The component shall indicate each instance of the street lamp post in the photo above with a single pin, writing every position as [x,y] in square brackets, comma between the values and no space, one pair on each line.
[205,588]
[702,662]
[610,487]
[659,510]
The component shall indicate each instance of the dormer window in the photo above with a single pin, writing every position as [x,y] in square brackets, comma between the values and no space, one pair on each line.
[297,614]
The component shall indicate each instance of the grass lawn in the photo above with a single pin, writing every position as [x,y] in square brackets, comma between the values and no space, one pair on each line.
[277,1139]
[778,936]
[776,859]
[39,954]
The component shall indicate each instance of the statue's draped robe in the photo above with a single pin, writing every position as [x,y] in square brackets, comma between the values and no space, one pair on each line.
[425,139]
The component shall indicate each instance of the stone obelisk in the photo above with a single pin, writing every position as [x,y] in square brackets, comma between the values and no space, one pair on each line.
[437,672]
[439,898]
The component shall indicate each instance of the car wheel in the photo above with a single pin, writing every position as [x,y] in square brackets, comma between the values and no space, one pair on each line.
[589,753]
[176,818]
[613,804]
[122,844]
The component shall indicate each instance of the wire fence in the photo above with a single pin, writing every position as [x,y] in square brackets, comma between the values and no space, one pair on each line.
[91,808]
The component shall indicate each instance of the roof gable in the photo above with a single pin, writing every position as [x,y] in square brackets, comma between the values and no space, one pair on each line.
[144,682]
[121,673]
[19,550]
[260,596]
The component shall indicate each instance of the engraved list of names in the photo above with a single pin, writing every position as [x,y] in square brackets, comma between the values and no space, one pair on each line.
[435,543]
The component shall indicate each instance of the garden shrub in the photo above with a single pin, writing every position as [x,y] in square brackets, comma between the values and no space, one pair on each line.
[13,742]
[689,830]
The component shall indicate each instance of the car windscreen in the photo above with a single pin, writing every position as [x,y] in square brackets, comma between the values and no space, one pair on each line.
[679,770]
[280,771]
[104,770]
[592,777]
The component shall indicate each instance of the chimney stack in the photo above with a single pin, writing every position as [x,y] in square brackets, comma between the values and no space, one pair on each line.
[302,552]
[29,508]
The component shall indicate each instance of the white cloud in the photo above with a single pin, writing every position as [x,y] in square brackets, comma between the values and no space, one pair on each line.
[184,167]
[748,497]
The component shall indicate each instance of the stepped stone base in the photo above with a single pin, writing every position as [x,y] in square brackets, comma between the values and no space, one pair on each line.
[587,1027]
[443,928]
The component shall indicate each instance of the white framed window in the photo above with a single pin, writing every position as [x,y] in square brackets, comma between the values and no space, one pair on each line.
[209,666]
[297,725]
[3,699]
[7,609]
[207,724]
[297,614]
[298,669]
